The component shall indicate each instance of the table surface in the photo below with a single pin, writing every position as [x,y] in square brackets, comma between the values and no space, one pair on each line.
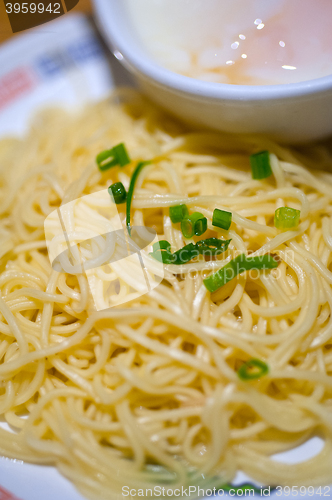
[5,29]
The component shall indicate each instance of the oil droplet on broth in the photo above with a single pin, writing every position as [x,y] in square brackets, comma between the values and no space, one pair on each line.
[244,42]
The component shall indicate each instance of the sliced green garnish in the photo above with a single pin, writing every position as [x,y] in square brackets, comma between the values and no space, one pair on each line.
[260,165]
[286,218]
[130,193]
[209,247]
[118,192]
[237,266]
[253,369]
[241,489]
[195,224]
[212,246]
[222,219]
[178,213]
[111,157]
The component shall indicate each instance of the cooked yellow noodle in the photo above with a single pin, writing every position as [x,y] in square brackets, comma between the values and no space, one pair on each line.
[154,382]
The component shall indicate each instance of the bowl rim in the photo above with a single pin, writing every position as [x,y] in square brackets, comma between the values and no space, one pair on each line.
[125,50]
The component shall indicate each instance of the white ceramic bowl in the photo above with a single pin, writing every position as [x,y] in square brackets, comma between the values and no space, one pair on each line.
[296,112]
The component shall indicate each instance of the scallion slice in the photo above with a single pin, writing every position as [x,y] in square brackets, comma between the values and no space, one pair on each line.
[101,160]
[241,489]
[260,165]
[118,192]
[162,252]
[286,218]
[237,266]
[200,226]
[120,152]
[195,224]
[185,254]
[111,157]
[212,246]
[187,228]
[178,213]
[130,193]
[161,245]
[253,369]
[222,219]
[209,247]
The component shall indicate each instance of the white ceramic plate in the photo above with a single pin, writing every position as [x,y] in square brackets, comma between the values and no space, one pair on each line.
[63,62]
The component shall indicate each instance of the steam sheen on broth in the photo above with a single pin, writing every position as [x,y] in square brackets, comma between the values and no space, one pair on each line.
[244,42]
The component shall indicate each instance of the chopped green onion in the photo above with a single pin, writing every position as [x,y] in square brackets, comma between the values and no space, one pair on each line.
[260,165]
[121,154]
[178,213]
[130,193]
[163,257]
[200,226]
[246,371]
[187,228]
[185,254]
[118,192]
[161,245]
[286,218]
[102,157]
[195,224]
[237,266]
[222,219]
[210,246]
[112,157]
[161,252]
[241,489]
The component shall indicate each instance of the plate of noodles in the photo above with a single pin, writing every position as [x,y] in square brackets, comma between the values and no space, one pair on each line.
[198,363]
